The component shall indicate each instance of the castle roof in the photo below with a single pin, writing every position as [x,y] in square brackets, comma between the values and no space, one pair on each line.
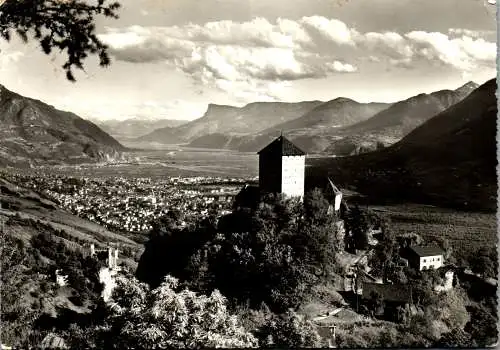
[283,147]
[331,186]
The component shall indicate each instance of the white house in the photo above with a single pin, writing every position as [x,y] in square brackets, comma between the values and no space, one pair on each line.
[426,257]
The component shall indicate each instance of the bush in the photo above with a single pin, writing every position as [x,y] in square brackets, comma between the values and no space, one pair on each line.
[187,320]
[289,330]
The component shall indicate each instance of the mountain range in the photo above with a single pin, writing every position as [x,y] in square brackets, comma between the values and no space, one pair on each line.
[232,121]
[34,133]
[391,124]
[340,126]
[129,129]
[448,160]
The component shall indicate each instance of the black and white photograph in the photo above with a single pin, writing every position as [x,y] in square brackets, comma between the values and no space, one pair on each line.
[248,174]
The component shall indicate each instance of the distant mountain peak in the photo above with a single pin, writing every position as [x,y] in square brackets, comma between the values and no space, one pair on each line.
[343,100]
[469,86]
[218,106]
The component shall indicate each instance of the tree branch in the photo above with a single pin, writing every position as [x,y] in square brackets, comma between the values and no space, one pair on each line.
[68,25]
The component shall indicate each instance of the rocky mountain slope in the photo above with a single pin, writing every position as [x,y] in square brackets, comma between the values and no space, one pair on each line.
[311,131]
[340,112]
[232,121]
[33,132]
[393,123]
[448,160]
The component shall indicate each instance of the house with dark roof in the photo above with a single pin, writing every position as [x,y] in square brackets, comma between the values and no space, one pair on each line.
[282,168]
[425,257]
[395,298]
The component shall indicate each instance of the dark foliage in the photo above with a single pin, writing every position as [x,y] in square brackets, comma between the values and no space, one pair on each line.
[482,326]
[273,254]
[485,262]
[170,248]
[357,224]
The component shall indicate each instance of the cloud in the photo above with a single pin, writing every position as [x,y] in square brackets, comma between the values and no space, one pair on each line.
[389,44]
[253,90]
[239,63]
[141,44]
[7,59]
[331,29]
[471,33]
[254,57]
[340,67]
[258,32]
[463,53]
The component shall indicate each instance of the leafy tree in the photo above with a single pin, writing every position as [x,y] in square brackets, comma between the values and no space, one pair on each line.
[16,318]
[386,255]
[290,330]
[166,317]
[376,303]
[456,338]
[170,249]
[58,24]
[422,291]
[316,206]
[357,225]
[482,326]
[273,254]
[485,262]
[421,326]
[451,308]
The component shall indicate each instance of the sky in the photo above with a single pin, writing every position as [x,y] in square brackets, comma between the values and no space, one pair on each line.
[171,58]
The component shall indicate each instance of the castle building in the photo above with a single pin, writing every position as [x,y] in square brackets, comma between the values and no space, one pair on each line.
[111,257]
[282,168]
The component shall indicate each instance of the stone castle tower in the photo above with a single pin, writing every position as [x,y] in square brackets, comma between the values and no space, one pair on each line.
[282,168]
